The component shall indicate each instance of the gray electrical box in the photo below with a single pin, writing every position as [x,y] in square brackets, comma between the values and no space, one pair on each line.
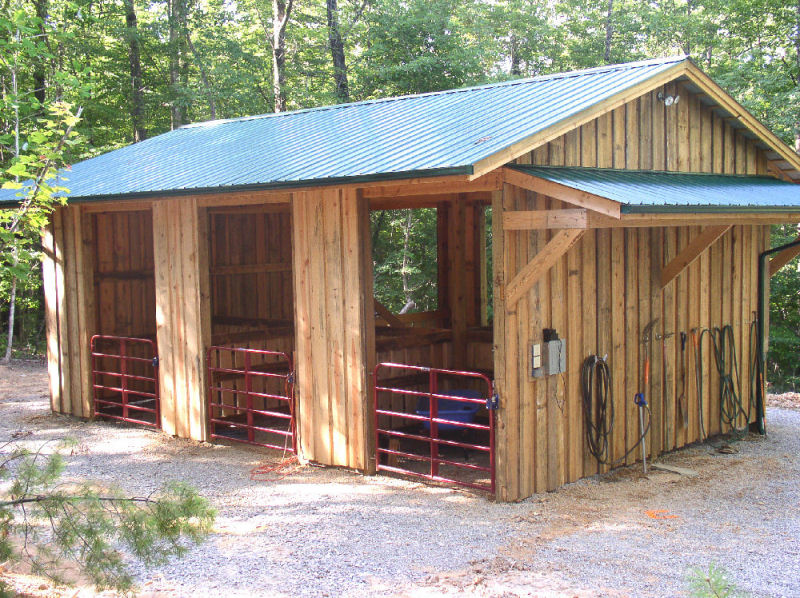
[554,357]
[548,358]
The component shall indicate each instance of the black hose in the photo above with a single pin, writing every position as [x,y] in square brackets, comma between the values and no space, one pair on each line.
[598,410]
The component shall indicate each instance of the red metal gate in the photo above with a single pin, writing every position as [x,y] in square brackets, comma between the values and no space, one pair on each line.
[251,397]
[125,379]
[423,432]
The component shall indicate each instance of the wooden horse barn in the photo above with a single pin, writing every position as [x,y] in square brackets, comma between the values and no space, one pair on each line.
[217,281]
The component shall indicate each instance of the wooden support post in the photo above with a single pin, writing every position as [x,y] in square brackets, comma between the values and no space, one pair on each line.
[692,251]
[541,264]
[779,260]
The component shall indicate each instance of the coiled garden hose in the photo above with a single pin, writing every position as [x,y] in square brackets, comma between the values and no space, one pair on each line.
[598,410]
[730,384]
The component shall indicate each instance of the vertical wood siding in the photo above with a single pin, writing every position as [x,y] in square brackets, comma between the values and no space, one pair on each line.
[335,326]
[182,314]
[606,289]
[69,314]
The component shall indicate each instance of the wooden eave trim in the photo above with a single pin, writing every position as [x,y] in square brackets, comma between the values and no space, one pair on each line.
[721,97]
[541,264]
[691,219]
[507,154]
[779,260]
[691,252]
[565,193]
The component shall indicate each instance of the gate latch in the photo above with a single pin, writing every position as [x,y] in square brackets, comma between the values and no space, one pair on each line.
[493,402]
[155,361]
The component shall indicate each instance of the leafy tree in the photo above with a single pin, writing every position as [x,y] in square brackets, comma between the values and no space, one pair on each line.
[44,522]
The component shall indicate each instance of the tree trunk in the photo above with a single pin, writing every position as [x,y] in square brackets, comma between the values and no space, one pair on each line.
[337,52]
[178,66]
[281,10]
[12,305]
[40,63]
[137,102]
[407,291]
[516,69]
[609,32]
[687,47]
[212,103]
[797,64]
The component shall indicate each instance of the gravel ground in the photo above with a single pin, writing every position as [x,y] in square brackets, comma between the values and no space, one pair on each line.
[326,532]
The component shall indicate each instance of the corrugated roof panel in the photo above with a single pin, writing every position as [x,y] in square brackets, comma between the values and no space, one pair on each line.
[648,191]
[424,134]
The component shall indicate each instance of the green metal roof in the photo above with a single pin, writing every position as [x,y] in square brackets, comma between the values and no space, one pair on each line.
[421,135]
[647,191]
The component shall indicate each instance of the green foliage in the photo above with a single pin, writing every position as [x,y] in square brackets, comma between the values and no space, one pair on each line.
[45,523]
[404,251]
[714,582]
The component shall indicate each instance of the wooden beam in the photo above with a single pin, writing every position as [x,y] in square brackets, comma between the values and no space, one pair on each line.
[250,269]
[385,313]
[565,193]
[539,219]
[491,181]
[692,251]
[541,264]
[779,260]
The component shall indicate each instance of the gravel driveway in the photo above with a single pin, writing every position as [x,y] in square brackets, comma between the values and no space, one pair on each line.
[326,532]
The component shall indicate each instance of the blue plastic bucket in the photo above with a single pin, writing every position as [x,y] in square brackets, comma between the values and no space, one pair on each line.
[456,411]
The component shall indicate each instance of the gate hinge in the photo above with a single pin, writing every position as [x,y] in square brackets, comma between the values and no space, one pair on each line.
[290,378]
[155,361]
[493,402]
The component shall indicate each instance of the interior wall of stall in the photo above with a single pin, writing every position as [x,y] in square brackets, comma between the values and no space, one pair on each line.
[252,302]
[605,290]
[334,319]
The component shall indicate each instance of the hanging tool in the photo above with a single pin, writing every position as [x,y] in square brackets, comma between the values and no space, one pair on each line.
[642,404]
[698,378]
[639,399]
[681,402]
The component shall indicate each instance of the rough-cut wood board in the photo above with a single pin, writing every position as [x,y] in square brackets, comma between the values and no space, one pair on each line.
[691,251]
[51,316]
[541,263]
[183,316]
[631,341]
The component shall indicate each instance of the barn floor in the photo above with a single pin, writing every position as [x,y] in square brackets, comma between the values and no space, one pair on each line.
[323,532]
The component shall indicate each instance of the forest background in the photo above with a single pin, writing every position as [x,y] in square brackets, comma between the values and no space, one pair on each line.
[139,68]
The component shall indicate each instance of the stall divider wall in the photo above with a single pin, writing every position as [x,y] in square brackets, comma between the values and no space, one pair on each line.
[334,320]
[183,316]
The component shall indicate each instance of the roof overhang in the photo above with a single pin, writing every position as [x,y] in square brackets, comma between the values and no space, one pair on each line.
[627,197]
